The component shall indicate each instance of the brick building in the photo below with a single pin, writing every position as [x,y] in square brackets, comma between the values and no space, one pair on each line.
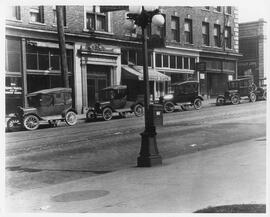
[102,51]
[252,39]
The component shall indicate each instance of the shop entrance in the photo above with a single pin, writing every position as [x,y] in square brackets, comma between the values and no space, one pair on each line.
[98,77]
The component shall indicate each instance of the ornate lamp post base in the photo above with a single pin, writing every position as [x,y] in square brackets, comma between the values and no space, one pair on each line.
[149,155]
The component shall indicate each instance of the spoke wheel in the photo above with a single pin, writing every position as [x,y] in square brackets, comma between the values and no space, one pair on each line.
[252,97]
[235,99]
[197,103]
[13,124]
[168,107]
[107,114]
[220,101]
[71,118]
[31,122]
[138,110]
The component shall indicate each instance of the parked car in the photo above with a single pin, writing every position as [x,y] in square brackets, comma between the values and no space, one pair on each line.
[236,90]
[261,92]
[114,99]
[182,96]
[50,105]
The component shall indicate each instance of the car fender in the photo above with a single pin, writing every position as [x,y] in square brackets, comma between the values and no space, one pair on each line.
[31,113]
[136,103]
[200,97]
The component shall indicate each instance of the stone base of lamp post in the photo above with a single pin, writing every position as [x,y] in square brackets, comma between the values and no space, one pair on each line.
[149,155]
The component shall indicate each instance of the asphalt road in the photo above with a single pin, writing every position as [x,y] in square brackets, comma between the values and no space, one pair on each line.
[53,155]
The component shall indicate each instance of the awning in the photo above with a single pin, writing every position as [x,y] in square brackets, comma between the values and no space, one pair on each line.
[129,72]
[47,44]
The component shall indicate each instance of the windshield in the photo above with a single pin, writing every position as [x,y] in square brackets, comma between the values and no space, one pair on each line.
[106,95]
[34,101]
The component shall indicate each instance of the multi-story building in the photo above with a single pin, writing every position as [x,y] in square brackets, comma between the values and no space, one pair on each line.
[252,40]
[102,51]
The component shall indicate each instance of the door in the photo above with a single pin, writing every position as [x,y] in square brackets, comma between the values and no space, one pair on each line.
[94,85]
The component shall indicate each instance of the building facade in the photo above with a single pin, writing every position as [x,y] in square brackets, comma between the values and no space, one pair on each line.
[252,41]
[102,51]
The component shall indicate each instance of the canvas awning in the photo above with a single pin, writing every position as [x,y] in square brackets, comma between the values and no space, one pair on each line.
[131,72]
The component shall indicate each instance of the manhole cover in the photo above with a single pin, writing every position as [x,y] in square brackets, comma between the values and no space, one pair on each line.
[79,195]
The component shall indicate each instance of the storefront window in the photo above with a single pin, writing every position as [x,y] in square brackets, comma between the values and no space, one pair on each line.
[158,60]
[179,62]
[13,55]
[172,62]
[165,61]
[186,65]
[192,63]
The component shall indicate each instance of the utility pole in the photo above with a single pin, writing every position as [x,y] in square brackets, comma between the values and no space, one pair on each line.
[62,45]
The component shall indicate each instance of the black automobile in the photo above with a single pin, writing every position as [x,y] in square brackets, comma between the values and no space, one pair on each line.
[49,105]
[115,99]
[238,89]
[183,95]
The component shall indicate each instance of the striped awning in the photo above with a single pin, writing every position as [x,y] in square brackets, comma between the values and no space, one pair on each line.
[131,72]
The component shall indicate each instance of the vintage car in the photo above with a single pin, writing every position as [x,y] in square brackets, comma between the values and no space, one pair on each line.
[183,96]
[261,92]
[238,89]
[114,99]
[49,105]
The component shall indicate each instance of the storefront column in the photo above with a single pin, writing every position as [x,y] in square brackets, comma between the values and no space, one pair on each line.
[77,80]
[24,74]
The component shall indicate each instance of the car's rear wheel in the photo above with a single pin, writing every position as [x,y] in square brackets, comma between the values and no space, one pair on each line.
[235,99]
[168,107]
[31,122]
[13,124]
[220,101]
[252,97]
[107,114]
[138,110]
[71,118]
[197,103]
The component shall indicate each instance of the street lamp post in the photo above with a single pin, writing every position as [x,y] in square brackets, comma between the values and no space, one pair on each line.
[149,154]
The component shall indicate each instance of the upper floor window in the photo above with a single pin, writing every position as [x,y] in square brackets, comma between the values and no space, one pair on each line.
[188,31]
[96,20]
[227,37]
[14,12]
[37,14]
[205,33]
[207,7]
[217,35]
[64,15]
[13,55]
[228,10]
[217,8]
[175,28]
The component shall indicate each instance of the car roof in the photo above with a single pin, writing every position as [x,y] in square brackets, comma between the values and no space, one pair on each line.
[185,82]
[52,90]
[115,87]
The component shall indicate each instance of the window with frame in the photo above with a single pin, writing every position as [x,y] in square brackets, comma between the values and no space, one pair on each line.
[14,12]
[205,33]
[172,62]
[217,8]
[207,7]
[37,14]
[165,60]
[64,15]
[217,41]
[186,63]
[158,60]
[227,37]
[228,9]
[188,31]
[13,55]
[179,64]
[96,20]
[175,28]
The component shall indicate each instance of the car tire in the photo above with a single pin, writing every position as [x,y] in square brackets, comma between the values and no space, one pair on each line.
[197,104]
[13,124]
[31,122]
[107,114]
[90,115]
[252,97]
[220,101]
[138,110]
[71,118]
[235,99]
[168,107]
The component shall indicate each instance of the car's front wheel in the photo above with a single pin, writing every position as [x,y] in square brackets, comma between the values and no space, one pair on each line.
[13,124]
[197,103]
[235,99]
[138,110]
[71,118]
[107,114]
[31,122]
[252,97]
[168,107]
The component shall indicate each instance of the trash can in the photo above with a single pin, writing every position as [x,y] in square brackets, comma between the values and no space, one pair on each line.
[156,115]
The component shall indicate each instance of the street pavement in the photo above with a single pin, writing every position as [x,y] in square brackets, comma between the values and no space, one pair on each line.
[231,174]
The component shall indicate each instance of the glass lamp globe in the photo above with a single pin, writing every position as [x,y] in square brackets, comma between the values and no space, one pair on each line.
[158,20]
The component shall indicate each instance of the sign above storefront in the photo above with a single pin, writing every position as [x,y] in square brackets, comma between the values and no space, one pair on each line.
[13,90]
[201,66]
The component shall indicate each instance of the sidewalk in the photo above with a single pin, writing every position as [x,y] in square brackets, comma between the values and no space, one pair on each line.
[231,174]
